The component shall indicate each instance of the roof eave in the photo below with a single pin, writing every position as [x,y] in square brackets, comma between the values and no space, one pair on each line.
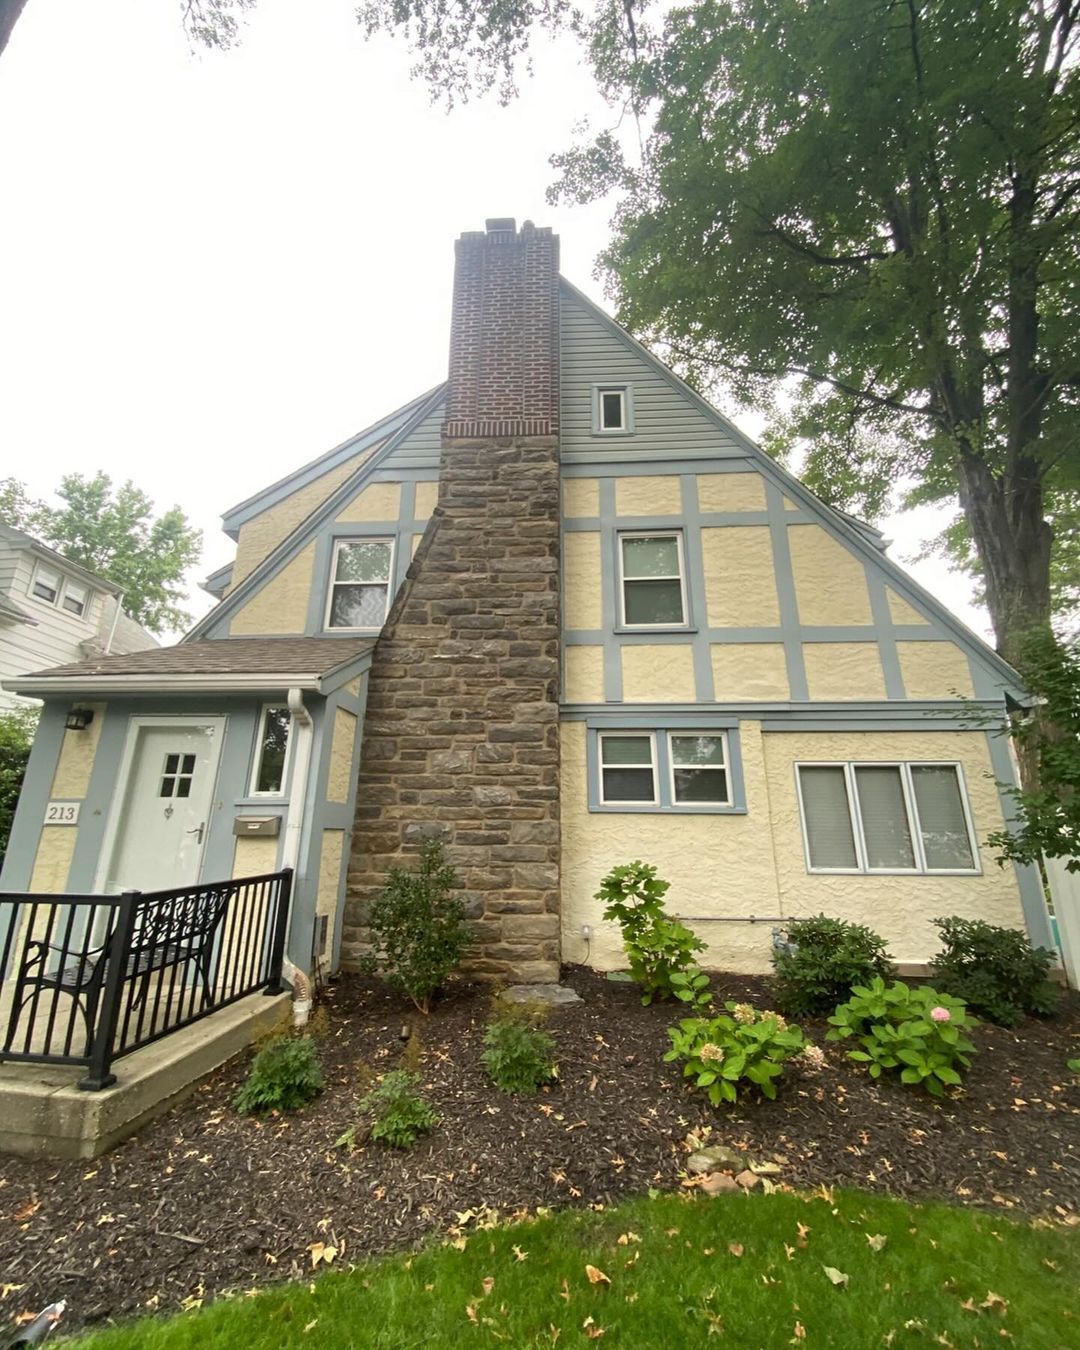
[40,686]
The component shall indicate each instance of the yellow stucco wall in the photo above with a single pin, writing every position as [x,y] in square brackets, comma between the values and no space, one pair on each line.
[830,582]
[934,670]
[740,581]
[581,497]
[339,774]
[281,605]
[731,492]
[648,496]
[658,673]
[263,534]
[426,499]
[378,501]
[255,856]
[749,670]
[52,864]
[717,865]
[326,897]
[76,762]
[581,580]
[843,670]
[584,675]
[898,907]
[901,611]
[754,864]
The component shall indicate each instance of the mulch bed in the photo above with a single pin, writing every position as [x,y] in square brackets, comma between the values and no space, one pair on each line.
[204,1201]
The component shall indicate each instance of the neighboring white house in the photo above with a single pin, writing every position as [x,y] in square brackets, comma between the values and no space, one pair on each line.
[53,611]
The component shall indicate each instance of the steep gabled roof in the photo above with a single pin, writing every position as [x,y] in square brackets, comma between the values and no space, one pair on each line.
[20,539]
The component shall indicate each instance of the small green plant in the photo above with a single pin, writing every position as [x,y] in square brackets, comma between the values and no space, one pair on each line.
[995,970]
[1073,1065]
[518,1054]
[920,1032]
[284,1076]
[661,950]
[743,1047]
[399,1113]
[823,961]
[418,927]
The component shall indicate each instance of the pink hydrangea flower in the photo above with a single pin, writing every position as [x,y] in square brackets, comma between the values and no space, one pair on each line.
[940,1015]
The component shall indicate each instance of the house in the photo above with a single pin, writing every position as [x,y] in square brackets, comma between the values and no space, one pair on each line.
[561,614]
[52,611]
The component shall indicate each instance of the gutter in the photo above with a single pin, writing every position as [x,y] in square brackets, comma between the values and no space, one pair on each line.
[207,682]
[301,729]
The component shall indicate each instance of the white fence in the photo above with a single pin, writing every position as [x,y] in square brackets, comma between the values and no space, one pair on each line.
[1065,892]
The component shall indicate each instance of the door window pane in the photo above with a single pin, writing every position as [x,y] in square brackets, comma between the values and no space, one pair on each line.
[829,838]
[270,756]
[177,774]
[626,769]
[699,769]
[942,823]
[886,834]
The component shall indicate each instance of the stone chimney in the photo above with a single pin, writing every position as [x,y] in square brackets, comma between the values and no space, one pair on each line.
[461,735]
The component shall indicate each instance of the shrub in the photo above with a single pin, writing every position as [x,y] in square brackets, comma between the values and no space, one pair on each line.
[743,1047]
[17,727]
[660,949]
[400,1114]
[918,1031]
[284,1076]
[826,958]
[418,927]
[995,970]
[518,1054]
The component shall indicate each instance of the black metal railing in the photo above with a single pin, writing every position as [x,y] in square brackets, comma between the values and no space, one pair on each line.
[93,977]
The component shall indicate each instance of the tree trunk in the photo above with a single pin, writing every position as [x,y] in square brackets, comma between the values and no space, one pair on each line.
[9,15]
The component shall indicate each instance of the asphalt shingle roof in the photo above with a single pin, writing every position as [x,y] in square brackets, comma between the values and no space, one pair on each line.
[224,656]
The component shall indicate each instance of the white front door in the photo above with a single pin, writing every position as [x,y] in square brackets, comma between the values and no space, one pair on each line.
[161,811]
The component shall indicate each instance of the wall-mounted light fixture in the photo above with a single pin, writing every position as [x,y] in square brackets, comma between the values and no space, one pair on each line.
[78,719]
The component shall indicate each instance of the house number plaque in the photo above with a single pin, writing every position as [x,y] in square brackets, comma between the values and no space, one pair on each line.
[62,813]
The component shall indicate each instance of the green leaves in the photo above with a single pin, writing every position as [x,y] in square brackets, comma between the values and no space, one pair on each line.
[995,970]
[518,1055]
[400,1114]
[284,1076]
[743,1046]
[825,958]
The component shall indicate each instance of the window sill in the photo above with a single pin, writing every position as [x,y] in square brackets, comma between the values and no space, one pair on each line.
[629,809]
[608,435]
[621,630]
[890,872]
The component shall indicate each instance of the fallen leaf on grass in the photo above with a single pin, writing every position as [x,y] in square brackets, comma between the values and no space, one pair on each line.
[487,1284]
[995,1303]
[321,1252]
[735,1248]
[591,1329]
[312,1324]
[800,1241]
[624,1239]
[470,1313]
[519,1255]
[876,1241]
[596,1276]
[837,1277]
[564,1293]
[789,1252]
[800,1333]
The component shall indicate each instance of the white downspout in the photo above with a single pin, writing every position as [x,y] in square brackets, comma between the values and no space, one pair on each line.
[302,730]
[115,621]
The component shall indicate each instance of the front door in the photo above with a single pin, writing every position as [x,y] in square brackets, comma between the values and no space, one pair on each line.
[162,809]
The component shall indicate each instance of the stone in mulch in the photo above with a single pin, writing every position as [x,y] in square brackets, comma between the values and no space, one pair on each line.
[549,995]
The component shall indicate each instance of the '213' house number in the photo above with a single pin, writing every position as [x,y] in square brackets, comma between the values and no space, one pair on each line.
[62,813]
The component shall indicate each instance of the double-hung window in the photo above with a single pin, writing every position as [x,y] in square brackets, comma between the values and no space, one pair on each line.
[271,752]
[886,817]
[360,572]
[651,579]
[75,598]
[699,769]
[667,769]
[46,584]
[628,769]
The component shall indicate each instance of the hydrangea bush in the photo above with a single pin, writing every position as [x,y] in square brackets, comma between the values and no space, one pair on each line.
[741,1049]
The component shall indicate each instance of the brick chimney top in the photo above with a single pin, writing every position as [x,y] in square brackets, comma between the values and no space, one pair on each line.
[504,334]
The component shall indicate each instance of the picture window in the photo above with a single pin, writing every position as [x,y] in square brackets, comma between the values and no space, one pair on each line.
[271,752]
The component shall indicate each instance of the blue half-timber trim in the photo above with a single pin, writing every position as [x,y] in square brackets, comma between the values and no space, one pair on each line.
[661,726]
[671,522]
[1032,899]
[785,592]
[609,572]
[246,510]
[598,464]
[886,635]
[839,526]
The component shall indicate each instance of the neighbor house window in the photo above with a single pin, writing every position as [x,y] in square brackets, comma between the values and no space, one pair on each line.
[75,597]
[46,584]
[359,583]
[271,752]
[699,769]
[886,818]
[651,570]
[627,768]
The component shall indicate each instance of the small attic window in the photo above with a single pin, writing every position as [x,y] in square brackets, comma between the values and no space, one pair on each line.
[612,409]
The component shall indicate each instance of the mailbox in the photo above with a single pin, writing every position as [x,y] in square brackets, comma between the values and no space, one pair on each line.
[263,826]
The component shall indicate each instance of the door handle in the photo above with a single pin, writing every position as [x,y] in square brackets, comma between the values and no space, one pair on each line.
[198,831]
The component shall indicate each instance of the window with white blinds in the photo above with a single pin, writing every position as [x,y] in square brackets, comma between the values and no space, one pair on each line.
[894,817]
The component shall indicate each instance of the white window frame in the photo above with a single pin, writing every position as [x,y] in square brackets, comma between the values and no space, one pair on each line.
[714,735]
[256,766]
[625,392]
[40,567]
[911,807]
[331,583]
[677,535]
[625,733]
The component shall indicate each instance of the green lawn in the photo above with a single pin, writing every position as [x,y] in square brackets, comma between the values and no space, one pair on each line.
[757,1271]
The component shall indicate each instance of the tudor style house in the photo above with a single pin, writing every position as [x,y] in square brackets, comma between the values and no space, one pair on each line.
[561,614]
[52,611]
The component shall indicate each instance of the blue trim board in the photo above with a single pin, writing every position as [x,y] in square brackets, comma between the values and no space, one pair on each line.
[886,634]
[1032,899]
[785,593]
[877,714]
[33,799]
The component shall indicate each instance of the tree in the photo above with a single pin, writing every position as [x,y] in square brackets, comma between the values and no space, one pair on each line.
[212,23]
[877,199]
[112,531]
[17,726]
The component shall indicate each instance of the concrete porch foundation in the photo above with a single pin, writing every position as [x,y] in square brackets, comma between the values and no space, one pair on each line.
[44,1114]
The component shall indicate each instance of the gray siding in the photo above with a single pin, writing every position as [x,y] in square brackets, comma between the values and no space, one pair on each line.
[420,449]
[666,421]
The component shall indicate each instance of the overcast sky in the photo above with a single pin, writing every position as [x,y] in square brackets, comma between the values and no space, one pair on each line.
[219,265]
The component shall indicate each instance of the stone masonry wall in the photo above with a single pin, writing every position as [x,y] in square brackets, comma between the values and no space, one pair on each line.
[461,736]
